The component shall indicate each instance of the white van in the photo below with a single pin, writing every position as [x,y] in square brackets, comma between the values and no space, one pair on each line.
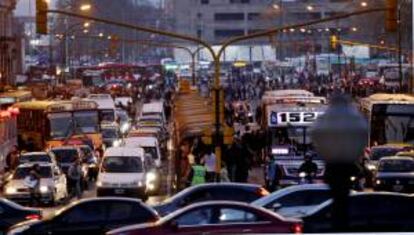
[154,108]
[122,173]
[150,146]
[106,106]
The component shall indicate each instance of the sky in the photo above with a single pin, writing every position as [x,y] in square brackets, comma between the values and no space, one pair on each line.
[27,7]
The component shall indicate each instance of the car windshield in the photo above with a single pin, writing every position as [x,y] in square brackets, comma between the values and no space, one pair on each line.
[109,133]
[34,158]
[86,122]
[65,155]
[60,125]
[22,172]
[122,165]
[396,166]
[378,153]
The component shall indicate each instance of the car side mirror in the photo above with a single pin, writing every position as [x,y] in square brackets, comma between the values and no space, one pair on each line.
[174,225]
[276,206]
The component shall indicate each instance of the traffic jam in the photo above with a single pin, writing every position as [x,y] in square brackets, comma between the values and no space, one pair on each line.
[138,159]
[199,117]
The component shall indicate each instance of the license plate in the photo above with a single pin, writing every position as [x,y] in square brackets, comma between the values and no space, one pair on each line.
[119,191]
[398,187]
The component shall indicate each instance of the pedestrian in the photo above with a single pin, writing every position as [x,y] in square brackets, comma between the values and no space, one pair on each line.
[198,173]
[273,174]
[209,159]
[224,174]
[32,181]
[12,159]
[75,176]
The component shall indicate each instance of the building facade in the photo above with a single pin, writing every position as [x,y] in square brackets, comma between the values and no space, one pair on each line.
[217,20]
[9,44]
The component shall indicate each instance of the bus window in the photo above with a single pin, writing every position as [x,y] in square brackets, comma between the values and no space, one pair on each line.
[60,125]
[86,122]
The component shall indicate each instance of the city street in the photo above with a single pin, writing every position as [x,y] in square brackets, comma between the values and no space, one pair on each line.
[194,117]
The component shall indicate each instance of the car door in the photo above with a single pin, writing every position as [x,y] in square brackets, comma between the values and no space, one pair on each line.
[84,218]
[122,213]
[238,220]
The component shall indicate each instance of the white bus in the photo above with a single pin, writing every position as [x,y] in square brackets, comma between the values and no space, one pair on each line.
[289,115]
[390,118]
[106,107]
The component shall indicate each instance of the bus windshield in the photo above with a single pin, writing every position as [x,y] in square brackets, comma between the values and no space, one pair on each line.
[297,137]
[108,115]
[86,122]
[392,123]
[60,125]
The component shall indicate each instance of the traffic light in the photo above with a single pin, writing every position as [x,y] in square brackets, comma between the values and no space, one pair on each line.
[333,40]
[41,16]
[391,15]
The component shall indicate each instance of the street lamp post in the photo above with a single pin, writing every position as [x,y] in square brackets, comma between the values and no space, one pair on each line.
[340,136]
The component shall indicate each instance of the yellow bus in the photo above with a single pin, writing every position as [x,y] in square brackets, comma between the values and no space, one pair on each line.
[49,124]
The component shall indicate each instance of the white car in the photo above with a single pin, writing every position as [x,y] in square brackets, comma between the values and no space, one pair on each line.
[295,201]
[52,183]
[122,173]
[149,144]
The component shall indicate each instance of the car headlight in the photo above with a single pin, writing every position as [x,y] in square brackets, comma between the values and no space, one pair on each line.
[371,167]
[353,178]
[11,190]
[44,189]
[378,181]
[151,176]
[99,183]
[18,230]
[302,175]
[116,143]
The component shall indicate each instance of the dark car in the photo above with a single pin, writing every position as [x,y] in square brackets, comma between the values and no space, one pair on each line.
[395,174]
[219,217]
[212,192]
[65,156]
[90,217]
[12,213]
[368,212]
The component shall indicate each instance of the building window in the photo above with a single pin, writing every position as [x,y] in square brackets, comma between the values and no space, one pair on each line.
[205,1]
[228,16]
[253,16]
[199,15]
[228,32]
[240,1]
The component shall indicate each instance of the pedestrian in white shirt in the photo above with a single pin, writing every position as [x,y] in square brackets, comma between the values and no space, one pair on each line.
[210,164]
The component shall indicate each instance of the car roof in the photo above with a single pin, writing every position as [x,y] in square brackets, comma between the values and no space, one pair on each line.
[285,191]
[391,158]
[142,141]
[124,152]
[153,107]
[34,153]
[356,195]
[105,199]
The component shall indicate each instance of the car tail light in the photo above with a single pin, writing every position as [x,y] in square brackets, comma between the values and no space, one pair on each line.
[33,217]
[262,192]
[297,229]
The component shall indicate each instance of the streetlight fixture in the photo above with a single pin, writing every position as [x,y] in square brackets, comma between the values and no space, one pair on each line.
[310,8]
[364,4]
[276,6]
[354,29]
[85,7]
[85,31]
[340,136]
[101,35]
[86,24]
